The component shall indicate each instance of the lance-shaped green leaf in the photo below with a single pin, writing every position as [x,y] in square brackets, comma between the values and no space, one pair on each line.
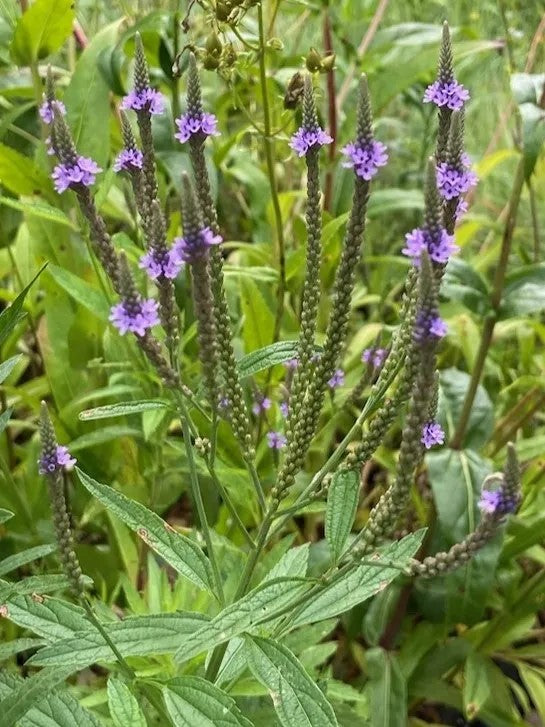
[123,408]
[296,698]
[160,633]
[10,648]
[264,358]
[193,701]
[342,503]
[5,515]
[13,314]
[360,583]
[7,367]
[180,552]
[260,604]
[48,617]
[25,556]
[37,585]
[81,291]
[123,706]
[387,688]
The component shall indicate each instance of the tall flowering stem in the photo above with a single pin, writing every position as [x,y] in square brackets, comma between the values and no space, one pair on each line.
[131,160]
[454,178]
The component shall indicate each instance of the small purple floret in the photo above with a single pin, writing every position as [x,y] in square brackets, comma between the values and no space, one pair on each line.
[450,94]
[189,125]
[128,160]
[291,363]
[440,247]
[432,434]
[83,172]
[374,356]
[135,318]
[148,99]
[284,408]
[452,183]
[46,110]
[190,248]
[336,380]
[494,502]
[61,459]
[156,263]
[304,139]
[276,440]
[365,160]
[262,404]
[427,325]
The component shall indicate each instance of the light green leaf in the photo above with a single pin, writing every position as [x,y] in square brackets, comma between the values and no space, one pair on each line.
[523,291]
[35,207]
[264,358]
[342,503]
[5,515]
[258,316]
[5,416]
[195,702]
[48,617]
[160,633]
[81,291]
[183,554]
[477,688]
[37,585]
[124,708]
[359,584]
[20,174]
[296,698]
[292,564]
[12,315]
[25,556]
[123,408]
[260,604]
[42,30]
[7,367]
[386,201]
[387,689]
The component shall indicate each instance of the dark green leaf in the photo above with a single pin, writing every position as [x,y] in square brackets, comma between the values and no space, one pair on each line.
[524,291]
[387,689]
[453,386]
[463,283]
[342,503]
[195,702]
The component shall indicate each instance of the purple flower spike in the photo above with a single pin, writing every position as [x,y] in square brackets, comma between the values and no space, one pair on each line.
[374,356]
[495,502]
[128,160]
[261,405]
[157,263]
[365,160]
[148,99]
[440,247]
[61,459]
[136,318]
[46,110]
[193,247]
[83,172]
[189,125]
[304,139]
[453,183]
[432,434]
[276,440]
[450,94]
[336,380]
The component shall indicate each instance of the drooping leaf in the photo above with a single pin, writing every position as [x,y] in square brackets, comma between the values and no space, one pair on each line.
[81,291]
[387,689]
[193,701]
[13,314]
[524,291]
[42,30]
[25,556]
[342,503]
[183,554]
[38,208]
[7,367]
[123,408]
[124,708]
[296,698]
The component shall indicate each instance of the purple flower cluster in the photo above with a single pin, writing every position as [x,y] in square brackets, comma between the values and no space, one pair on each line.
[276,440]
[304,139]
[452,182]
[261,405]
[365,160]
[336,380]
[156,263]
[128,160]
[148,99]
[61,459]
[440,247]
[432,434]
[189,125]
[450,94]
[135,317]
[195,246]
[46,110]
[374,356]
[291,364]
[427,325]
[67,176]
[284,408]
[495,502]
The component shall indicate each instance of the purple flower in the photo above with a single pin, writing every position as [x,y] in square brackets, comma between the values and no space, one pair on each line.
[192,247]
[135,317]
[148,99]
[82,172]
[450,94]
[304,139]
[429,324]
[49,146]
[365,160]
[374,356]
[224,403]
[128,159]
[336,380]
[494,502]
[284,408]
[262,404]
[452,182]
[61,459]
[276,440]
[432,433]
[46,110]
[438,327]
[461,209]
[157,263]
[189,125]
[440,247]
[291,363]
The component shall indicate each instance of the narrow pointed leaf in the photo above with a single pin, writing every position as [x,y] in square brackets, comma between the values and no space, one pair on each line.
[123,706]
[342,503]
[25,556]
[123,408]
[193,701]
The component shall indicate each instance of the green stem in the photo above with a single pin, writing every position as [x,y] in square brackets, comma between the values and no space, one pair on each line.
[250,466]
[125,668]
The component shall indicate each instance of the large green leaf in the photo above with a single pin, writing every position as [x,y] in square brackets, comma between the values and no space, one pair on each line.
[463,283]
[360,583]
[524,291]
[264,358]
[38,208]
[453,385]
[37,585]
[48,617]
[195,702]
[160,633]
[123,706]
[387,689]
[296,698]
[42,30]
[183,554]
[342,503]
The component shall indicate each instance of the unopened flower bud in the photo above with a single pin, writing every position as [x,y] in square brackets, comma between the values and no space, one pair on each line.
[313,61]
[328,63]
[223,10]
[202,445]
[213,45]
[275,44]
[210,62]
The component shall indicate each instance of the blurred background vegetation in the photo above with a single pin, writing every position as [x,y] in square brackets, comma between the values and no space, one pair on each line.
[470,644]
